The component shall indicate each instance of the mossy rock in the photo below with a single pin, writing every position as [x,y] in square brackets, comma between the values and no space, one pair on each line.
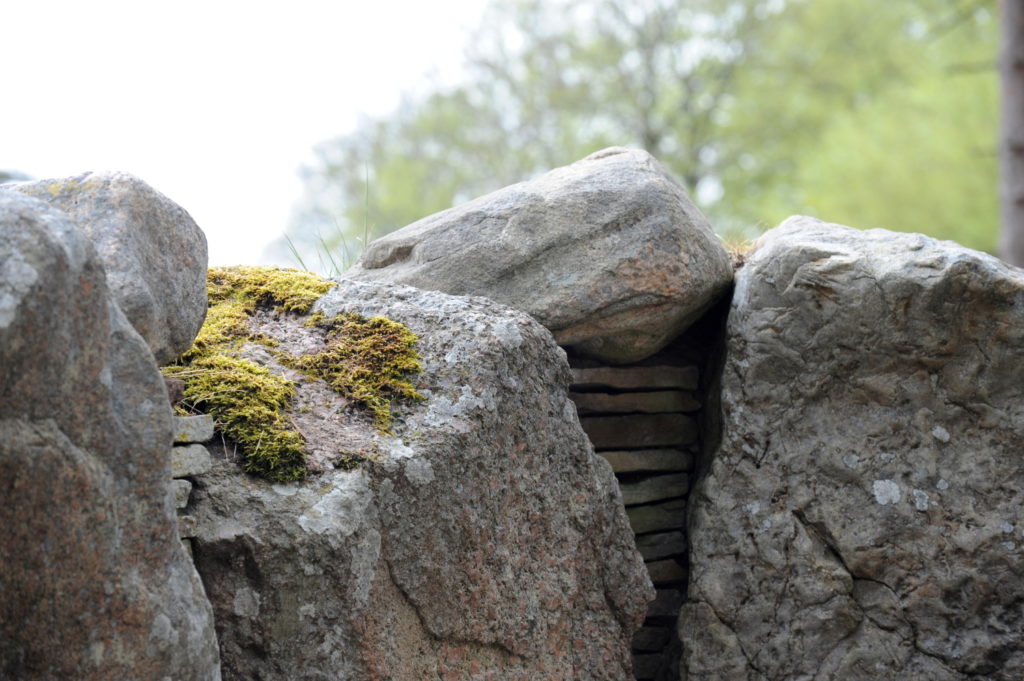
[366,360]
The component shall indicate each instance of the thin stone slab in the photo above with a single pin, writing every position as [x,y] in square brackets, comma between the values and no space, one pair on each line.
[651,639]
[666,571]
[658,402]
[670,515]
[637,378]
[661,545]
[182,491]
[656,488]
[193,429]
[189,460]
[640,431]
[644,460]
[188,526]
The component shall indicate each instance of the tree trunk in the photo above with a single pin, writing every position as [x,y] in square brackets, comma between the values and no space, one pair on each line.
[1011,133]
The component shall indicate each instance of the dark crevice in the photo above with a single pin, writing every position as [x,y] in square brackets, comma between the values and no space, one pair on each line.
[702,347]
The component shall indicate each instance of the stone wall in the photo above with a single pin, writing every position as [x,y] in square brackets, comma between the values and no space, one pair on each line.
[647,420]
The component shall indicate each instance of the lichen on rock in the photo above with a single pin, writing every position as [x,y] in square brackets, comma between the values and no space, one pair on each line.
[364,360]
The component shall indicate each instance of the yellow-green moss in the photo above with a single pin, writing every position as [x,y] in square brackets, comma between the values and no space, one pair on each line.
[248,402]
[282,289]
[365,360]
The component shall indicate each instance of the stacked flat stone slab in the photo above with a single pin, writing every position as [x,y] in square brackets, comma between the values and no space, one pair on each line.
[642,420]
[189,458]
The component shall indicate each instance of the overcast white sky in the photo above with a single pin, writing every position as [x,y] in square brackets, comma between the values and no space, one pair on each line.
[215,103]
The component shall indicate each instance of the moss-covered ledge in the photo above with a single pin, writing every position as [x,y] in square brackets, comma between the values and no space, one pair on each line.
[366,360]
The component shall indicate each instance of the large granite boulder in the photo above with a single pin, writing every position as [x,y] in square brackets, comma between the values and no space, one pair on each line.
[862,516]
[95,582]
[152,250]
[482,539]
[608,253]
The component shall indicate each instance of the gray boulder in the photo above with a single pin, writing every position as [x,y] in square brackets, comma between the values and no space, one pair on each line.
[483,539]
[94,580]
[154,253]
[862,516]
[608,253]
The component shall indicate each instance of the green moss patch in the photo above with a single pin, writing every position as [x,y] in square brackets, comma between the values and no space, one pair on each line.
[365,360]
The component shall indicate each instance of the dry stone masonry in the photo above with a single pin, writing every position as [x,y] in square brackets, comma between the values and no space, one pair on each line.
[189,459]
[642,420]
[817,479]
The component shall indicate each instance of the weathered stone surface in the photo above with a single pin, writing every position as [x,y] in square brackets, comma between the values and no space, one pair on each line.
[483,540]
[182,490]
[95,583]
[640,430]
[153,252]
[189,429]
[189,460]
[187,526]
[655,488]
[649,460]
[661,545]
[659,402]
[668,515]
[608,253]
[637,378]
[861,518]
[666,572]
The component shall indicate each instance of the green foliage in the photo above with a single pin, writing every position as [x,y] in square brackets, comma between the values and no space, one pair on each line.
[365,360]
[874,113]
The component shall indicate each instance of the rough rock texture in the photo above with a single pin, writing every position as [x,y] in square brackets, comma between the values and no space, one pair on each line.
[483,540]
[862,517]
[94,580]
[152,250]
[608,253]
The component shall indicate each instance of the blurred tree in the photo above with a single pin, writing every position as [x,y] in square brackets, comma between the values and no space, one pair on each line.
[1011,139]
[752,103]
[12,176]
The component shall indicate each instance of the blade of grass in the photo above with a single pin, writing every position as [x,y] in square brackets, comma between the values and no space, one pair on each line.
[295,252]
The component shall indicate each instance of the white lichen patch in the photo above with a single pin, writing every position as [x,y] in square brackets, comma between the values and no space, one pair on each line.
[886,492]
[246,602]
[342,509]
[921,500]
[419,471]
[940,434]
[851,461]
[507,332]
[363,566]
[16,279]
[941,485]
